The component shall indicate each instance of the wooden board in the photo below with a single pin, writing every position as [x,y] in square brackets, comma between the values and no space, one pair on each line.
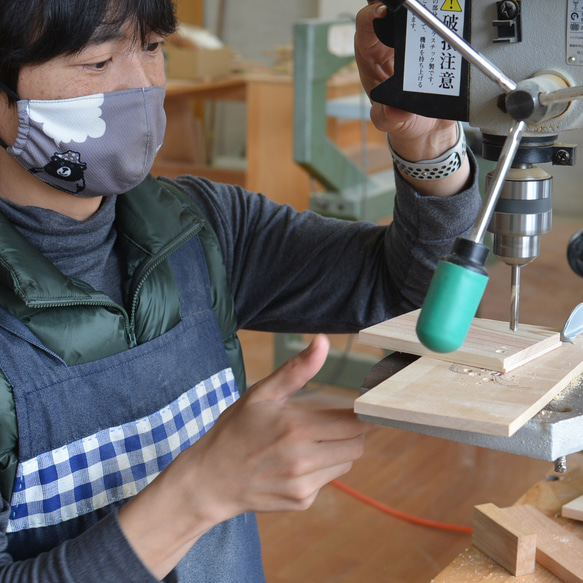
[504,539]
[557,549]
[573,509]
[440,394]
[490,344]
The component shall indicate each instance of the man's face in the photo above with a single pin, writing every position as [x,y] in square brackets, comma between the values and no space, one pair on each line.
[108,64]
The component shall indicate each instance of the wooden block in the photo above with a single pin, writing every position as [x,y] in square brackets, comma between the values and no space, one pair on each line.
[490,344]
[573,509]
[503,539]
[440,394]
[557,549]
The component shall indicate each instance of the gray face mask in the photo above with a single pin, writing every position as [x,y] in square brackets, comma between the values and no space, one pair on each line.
[96,145]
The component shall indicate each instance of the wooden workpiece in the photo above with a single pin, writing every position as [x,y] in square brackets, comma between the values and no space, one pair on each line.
[490,344]
[504,539]
[448,391]
[557,549]
[514,537]
[441,394]
[548,496]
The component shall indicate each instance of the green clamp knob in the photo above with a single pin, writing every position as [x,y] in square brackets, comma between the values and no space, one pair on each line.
[453,297]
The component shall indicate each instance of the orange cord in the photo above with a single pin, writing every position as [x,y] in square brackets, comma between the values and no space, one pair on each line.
[398,514]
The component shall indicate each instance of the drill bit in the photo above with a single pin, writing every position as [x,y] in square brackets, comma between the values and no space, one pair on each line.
[514,296]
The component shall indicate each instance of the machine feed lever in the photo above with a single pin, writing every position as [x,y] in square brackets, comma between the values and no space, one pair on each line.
[504,162]
[460,279]
[561,95]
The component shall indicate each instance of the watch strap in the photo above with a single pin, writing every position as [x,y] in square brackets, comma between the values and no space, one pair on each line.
[438,168]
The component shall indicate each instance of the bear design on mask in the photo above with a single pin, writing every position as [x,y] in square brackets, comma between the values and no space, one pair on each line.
[68,169]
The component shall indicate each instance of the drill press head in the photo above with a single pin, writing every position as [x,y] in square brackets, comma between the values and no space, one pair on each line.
[524,209]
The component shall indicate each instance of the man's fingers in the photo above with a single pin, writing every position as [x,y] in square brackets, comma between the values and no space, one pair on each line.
[302,492]
[331,454]
[305,454]
[323,425]
[375,60]
[295,373]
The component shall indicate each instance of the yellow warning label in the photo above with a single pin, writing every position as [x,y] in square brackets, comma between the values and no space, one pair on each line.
[451,6]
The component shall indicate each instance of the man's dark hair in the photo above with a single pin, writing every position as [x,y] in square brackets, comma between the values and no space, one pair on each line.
[35,31]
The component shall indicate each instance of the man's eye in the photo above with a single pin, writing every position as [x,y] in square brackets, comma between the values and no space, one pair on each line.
[101,65]
[152,47]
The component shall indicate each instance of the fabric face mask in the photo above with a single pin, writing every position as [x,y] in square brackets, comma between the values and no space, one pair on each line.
[96,145]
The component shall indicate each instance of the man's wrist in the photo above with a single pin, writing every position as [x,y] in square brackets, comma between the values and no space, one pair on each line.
[440,167]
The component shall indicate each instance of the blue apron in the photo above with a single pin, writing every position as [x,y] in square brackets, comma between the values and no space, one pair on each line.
[93,435]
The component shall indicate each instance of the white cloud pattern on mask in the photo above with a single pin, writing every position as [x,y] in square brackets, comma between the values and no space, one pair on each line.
[83,119]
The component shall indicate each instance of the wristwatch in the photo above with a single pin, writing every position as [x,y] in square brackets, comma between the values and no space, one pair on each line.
[438,168]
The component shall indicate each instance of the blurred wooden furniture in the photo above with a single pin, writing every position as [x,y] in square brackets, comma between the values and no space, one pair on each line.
[270,166]
[191,11]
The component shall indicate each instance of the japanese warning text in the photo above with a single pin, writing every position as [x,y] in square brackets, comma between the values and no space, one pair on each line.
[432,65]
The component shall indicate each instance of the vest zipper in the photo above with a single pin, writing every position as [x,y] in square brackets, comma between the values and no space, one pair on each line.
[148,266]
[90,303]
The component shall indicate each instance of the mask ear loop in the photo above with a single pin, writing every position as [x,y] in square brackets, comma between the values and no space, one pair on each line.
[14,96]
[9,92]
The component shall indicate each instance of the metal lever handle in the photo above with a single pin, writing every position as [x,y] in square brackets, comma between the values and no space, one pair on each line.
[487,210]
[498,177]
[561,95]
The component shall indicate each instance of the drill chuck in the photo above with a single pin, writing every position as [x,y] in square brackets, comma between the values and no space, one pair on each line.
[522,214]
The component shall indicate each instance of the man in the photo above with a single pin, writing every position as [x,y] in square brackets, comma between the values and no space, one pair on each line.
[130,450]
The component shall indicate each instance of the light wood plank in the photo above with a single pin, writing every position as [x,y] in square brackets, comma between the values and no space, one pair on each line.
[557,549]
[573,509]
[440,394]
[490,344]
[504,539]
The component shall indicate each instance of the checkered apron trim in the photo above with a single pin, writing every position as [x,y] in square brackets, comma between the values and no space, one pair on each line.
[116,463]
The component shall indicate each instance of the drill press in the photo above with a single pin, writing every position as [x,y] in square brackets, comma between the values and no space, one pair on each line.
[520,122]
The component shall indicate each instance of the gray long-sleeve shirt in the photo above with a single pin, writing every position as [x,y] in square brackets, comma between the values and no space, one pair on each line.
[289,271]
[294,272]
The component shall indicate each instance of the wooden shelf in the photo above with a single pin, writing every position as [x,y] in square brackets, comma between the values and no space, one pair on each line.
[269,141]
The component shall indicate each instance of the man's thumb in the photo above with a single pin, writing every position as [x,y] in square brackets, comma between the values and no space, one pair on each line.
[289,378]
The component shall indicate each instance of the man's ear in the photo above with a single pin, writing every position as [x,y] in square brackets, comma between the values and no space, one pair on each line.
[8,120]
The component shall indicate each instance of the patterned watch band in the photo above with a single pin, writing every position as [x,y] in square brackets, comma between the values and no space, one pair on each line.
[438,168]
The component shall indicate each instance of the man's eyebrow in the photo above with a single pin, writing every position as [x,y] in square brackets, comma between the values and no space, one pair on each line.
[105,34]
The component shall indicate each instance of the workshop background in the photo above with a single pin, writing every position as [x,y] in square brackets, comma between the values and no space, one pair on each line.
[254,29]
[341,538]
